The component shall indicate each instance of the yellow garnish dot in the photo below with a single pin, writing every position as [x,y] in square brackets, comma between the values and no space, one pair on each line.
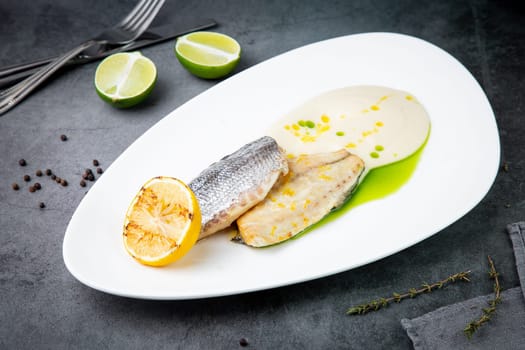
[324,128]
[281,205]
[409,98]
[295,126]
[379,123]
[306,203]
[287,191]
[325,118]
[293,206]
[351,145]
[287,127]
[374,107]
[308,138]
[290,156]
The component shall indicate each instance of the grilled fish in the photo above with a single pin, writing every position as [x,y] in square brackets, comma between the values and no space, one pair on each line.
[233,185]
[315,185]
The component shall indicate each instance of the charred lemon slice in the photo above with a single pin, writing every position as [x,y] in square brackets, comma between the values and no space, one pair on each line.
[162,222]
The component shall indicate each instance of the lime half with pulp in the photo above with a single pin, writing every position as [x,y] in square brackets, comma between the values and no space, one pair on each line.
[125,79]
[208,55]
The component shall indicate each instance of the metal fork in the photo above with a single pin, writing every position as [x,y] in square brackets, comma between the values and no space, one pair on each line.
[130,28]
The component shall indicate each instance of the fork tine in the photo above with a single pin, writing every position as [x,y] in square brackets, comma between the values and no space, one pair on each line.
[146,17]
[133,13]
[139,15]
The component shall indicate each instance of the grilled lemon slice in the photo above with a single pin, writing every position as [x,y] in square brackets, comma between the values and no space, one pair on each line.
[162,222]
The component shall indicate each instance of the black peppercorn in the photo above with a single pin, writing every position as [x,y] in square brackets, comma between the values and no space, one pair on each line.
[22,162]
[27,178]
[41,205]
[38,172]
[63,137]
[15,186]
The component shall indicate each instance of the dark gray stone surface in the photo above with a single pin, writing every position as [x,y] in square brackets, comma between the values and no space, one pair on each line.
[43,306]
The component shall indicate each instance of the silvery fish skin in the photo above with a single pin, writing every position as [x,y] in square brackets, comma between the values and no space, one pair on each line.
[233,185]
[315,185]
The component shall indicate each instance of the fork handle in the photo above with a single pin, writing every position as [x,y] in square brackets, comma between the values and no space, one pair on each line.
[17,68]
[14,95]
[4,94]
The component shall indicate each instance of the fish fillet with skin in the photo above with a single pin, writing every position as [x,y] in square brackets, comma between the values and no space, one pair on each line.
[233,185]
[315,185]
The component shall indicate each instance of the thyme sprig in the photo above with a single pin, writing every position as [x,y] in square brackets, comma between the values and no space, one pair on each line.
[473,326]
[375,305]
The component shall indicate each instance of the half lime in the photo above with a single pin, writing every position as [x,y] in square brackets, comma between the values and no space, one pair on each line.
[125,79]
[208,55]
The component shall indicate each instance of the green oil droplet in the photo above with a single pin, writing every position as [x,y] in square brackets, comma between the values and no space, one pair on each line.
[340,133]
[379,148]
[374,155]
[310,124]
[301,123]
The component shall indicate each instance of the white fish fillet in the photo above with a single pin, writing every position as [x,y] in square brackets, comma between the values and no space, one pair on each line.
[314,186]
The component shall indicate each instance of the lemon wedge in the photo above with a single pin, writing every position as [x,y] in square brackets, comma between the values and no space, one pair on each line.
[162,222]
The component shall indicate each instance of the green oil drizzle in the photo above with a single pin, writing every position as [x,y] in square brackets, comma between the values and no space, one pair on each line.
[383,181]
[378,183]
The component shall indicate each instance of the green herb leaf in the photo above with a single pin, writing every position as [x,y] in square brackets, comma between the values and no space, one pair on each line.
[375,305]
[473,326]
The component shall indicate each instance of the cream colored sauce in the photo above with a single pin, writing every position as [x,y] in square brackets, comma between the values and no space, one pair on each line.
[379,124]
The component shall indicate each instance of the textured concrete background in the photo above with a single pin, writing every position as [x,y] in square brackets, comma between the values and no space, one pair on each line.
[43,306]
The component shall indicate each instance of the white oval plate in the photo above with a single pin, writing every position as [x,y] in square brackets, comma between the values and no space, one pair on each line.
[457,168]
